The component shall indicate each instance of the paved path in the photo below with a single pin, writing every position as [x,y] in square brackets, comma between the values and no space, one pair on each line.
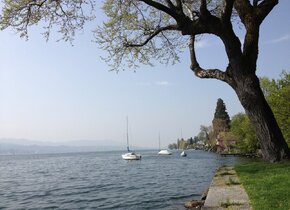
[226,192]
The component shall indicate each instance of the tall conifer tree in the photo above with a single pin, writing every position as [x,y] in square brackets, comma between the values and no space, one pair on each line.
[221,121]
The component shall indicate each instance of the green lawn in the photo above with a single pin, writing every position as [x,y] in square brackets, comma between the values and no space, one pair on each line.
[267,184]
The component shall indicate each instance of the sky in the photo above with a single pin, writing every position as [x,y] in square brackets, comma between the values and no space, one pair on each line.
[55,92]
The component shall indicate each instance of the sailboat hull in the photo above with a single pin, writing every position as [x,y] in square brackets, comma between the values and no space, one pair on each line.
[164,152]
[131,156]
[183,154]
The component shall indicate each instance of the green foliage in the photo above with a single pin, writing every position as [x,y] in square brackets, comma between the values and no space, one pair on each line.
[206,136]
[220,110]
[241,127]
[66,16]
[277,93]
[268,86]
[128,33]
[221,120]
[229,141]
[267,184]
[195,139]
[204,133]
[190,141]
[182,144]
[172,146]
[134,32]
[202,136]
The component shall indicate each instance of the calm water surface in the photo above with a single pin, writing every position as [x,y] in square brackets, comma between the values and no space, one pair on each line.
[102,180]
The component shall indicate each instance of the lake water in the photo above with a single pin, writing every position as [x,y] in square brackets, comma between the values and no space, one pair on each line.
[102,180]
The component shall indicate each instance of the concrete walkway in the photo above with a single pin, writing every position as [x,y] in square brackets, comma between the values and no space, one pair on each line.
[226,192]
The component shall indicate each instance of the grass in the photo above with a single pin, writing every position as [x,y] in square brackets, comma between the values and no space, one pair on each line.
[267,184]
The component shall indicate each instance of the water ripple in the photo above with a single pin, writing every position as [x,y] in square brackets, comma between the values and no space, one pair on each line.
[104,181]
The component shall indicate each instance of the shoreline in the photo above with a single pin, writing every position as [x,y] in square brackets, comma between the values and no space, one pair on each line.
[225,191]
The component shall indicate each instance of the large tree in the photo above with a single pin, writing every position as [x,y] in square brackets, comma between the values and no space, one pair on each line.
[137,31]
[221,120]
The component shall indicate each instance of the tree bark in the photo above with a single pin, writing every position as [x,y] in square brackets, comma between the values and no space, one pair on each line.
[273,145]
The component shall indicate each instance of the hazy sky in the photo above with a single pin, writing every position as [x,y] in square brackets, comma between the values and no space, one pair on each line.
[52,91]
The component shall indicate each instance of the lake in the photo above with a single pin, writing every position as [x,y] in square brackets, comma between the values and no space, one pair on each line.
[102,180]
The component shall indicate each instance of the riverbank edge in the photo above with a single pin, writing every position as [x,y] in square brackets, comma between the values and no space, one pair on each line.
[225,192]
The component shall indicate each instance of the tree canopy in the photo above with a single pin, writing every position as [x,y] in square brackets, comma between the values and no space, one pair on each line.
[139,31]
[66,16]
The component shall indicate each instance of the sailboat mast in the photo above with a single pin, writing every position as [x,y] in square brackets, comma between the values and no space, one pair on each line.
[127,135]
[159,140]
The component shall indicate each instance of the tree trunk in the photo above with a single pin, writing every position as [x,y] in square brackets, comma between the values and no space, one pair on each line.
[273,145]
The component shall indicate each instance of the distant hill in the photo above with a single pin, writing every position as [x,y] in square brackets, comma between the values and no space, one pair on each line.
[25,146]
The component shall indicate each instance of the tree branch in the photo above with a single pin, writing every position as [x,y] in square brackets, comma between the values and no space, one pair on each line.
[205,73]
[226,16]
[170,4]
[247,14]
[252,17]
[161,7]
[264,8]
[204,13]
[255,2]
[155,33]
[179,4]
[244,9]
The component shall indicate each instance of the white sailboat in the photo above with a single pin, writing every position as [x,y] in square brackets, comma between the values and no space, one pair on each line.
[183,154]
[130,155]
[163,151]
